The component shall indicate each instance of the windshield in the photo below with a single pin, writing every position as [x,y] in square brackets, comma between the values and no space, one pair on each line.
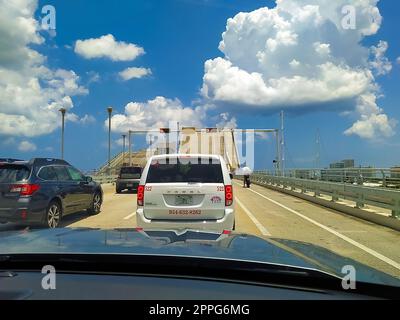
[131,172]
[270,120]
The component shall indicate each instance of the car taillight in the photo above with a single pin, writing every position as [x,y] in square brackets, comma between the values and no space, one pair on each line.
[25,189]
[140,195]
[228,195]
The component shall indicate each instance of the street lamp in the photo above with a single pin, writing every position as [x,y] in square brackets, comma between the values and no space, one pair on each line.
[62,110]
[129,146]
[278,152]
[109,110]
[123,149]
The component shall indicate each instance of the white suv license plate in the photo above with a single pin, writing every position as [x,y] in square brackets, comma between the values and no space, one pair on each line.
[181,200]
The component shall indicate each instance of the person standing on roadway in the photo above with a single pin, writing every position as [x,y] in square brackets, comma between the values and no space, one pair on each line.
[246,171]
[246,181]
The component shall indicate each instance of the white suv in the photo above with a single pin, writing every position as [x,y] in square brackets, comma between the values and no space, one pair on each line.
[185,191]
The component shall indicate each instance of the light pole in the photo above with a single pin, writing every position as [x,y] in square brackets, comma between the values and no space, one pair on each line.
[62,110]
[129,146]
[109,110]
[278,154]
[177,137]
[282,145]
[123,149]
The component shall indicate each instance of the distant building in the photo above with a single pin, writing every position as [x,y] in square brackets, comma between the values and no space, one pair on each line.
[350,172]
[336,165]
[338,175]
[395,172]
[346,163]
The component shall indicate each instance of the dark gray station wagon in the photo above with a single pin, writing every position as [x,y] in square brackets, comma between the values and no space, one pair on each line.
[42,191]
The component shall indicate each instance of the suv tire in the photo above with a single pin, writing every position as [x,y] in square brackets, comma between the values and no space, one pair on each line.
[53,215]
[95,207]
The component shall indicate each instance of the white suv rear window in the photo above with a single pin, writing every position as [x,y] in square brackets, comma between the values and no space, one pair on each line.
[185,170]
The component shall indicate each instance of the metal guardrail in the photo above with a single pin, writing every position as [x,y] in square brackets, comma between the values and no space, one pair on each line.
[377,177]
[112,160]
[104,178]
[361,195]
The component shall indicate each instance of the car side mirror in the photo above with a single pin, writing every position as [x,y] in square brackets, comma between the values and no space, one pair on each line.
[88,179]
[231,175]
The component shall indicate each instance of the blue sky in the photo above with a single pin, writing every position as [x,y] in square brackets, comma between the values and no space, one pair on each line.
[178,37]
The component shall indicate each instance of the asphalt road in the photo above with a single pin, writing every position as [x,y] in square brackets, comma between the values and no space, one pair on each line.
[266,213]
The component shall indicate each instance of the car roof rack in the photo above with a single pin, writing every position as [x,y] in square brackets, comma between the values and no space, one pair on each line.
[47,161]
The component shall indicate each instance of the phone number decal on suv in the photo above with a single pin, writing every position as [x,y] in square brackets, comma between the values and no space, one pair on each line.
[184,212]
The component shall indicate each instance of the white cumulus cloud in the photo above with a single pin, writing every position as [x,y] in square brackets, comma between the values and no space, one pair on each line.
[381,63]
[30,93]
[134,73]
[226,121]
[107,47]
[370,127]
[92,77]
[154,114]
[298,55]
[26,146]
[87,119]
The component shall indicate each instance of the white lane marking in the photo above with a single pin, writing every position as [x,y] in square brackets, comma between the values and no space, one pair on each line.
[260,227]
[343,237]
[130,216]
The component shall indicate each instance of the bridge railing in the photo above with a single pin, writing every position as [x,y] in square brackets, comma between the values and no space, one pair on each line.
[361,195]
[105,178]
[377,177]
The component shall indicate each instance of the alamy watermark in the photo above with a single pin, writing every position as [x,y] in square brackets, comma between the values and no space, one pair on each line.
[349,278]
[234,145]
[49,280]
[349,19]
[48,20]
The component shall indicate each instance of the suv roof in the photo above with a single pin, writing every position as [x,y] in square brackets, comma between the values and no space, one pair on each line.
[8,160]
[47,161]
[37,162]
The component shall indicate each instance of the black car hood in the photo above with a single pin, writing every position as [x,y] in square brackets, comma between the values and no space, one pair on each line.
[190,243]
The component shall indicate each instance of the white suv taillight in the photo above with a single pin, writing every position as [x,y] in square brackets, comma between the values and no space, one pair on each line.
[140,195]
[228,195]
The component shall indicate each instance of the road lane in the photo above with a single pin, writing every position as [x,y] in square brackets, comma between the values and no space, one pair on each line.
[286,225]
[255,214]
[130,216]
[259,226]
[269,218]
[338,234]
[115,208]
